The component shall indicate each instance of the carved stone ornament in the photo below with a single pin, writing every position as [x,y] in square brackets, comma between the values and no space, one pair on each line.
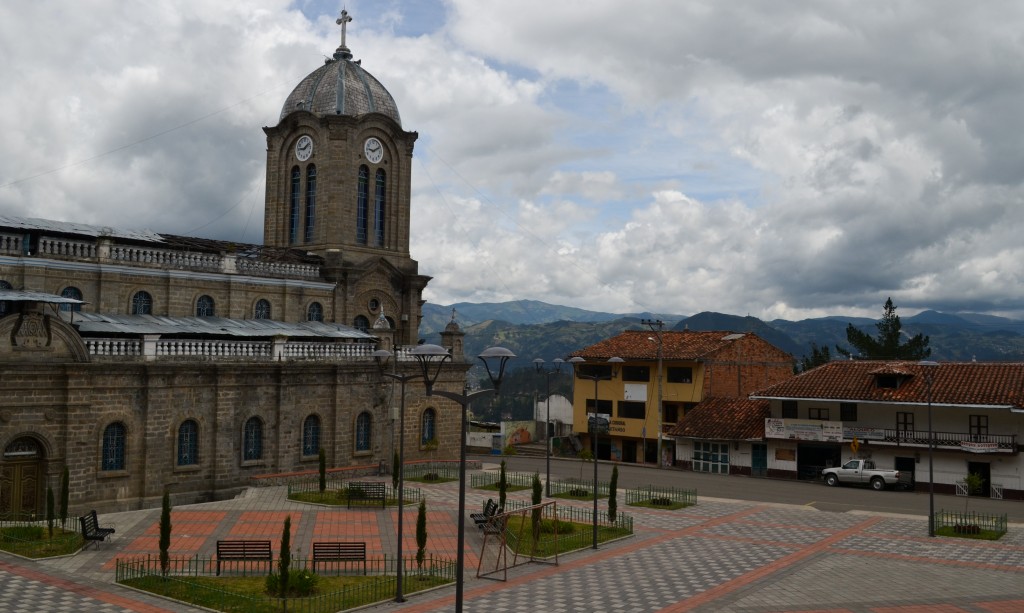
[31,332]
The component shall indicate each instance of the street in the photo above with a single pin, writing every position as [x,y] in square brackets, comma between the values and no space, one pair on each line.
[808,493]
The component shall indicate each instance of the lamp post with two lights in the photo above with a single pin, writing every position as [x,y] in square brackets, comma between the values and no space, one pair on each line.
[539,365]
[431,359]
[596,377]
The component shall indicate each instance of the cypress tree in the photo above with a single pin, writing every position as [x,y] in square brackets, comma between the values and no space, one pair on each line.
[421,534]
[613,487]
[285,563]
[323,470]
[502,487]
[165,532]
[538,492]
[64,496]
[49,510]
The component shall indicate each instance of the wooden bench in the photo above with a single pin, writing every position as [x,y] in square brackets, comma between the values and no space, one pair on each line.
[243,551]
[490,508]
[91,529]
[367,490]
[338,551]
[496,525]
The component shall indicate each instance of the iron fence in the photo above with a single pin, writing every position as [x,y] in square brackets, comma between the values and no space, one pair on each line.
[145,572]
[663,495]
[972,522]
[338,488]
[488,479]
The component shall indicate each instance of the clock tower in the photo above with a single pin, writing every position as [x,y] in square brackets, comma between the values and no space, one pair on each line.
[338,186]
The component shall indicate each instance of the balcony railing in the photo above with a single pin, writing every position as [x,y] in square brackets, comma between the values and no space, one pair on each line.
[982,443]
[126,350]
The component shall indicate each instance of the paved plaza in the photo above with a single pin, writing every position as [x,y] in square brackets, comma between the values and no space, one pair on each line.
[720,555]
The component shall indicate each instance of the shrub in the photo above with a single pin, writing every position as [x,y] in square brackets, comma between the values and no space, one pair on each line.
[300,583]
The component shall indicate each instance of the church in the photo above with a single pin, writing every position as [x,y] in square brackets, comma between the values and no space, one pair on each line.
[141,360]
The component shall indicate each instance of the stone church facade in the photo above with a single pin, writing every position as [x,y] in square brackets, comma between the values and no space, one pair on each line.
[141,361]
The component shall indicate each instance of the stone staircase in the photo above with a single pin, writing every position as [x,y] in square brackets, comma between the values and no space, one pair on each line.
[532,450]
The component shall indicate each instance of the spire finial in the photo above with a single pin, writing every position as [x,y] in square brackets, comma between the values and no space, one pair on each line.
[343,21]
[453,315]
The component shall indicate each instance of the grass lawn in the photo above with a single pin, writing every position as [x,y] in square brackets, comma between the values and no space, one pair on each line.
[571,536]
[34,541]
[983,535]
[248,595]
[339,498]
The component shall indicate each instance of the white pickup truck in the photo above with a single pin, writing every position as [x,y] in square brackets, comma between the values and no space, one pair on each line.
[861,472]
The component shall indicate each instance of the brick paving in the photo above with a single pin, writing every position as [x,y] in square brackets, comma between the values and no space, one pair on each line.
[721,555]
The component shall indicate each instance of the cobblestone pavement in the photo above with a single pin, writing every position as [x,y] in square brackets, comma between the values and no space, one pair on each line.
[720,555]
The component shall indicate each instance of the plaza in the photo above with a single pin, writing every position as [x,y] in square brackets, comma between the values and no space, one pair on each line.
[719,555]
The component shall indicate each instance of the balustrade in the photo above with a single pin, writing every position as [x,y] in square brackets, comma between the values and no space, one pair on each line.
[1002,442]
[228,350]
[11,244]
[61,247]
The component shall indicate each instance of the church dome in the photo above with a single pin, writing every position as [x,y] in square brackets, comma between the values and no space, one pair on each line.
[341,87]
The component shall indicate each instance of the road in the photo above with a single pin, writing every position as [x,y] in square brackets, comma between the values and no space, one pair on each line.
[816,493]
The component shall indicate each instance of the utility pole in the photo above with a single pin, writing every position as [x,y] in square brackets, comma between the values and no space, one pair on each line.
[657,326]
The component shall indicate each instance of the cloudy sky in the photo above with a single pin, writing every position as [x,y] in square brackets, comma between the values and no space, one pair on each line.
[778,159]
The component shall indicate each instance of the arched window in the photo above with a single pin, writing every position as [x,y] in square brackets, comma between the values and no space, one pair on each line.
[252,439]
[311,435]
[262,310]
[310,201]
[205,306]
[293,210]
[428,428]
[379,200]
[364,431]
[362,203]
[5,306]
[315,312]
[142,304]
[113,446]
[361,323]
[188,443]
[75,294]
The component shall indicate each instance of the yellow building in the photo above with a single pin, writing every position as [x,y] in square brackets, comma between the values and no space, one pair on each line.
[661,376]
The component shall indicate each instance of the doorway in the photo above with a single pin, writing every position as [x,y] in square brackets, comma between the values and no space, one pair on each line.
[629,451]
[759,460]
[906,466]
[21,475]
[985,470]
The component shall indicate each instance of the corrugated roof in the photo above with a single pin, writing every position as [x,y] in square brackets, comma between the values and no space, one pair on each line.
[67,227]
[732,419]
[100,323]
[997,384]
[18,295]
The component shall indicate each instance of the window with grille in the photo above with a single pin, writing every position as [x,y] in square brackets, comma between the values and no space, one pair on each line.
[142,304]
[429,426]
[310,202]
[311,435]
[978,425]
[789,410]
[75,294]
[262,309]
[848,411]
[293,207]
[632,410]
[905,421]
[711,457]
[363,432]
[252,439]
[379,201]
[114,446]
[362,204]
[204,307]
[315,312]
[188,443]
[817,413]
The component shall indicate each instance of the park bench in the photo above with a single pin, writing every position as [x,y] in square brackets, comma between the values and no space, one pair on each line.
[91,529]
[339,551]
[490,508]
[496,524]
[369,490]
[243,551]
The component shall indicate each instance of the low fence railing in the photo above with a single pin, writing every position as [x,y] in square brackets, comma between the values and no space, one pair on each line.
[573,486]
[970,523]
[578,539]
[439,470]
[181,570]
[338,486]
[491,479]
[655,494]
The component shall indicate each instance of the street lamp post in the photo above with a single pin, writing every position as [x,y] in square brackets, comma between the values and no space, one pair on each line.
[658,326]
[434,356]
[381,357]
[596,377]
[928,376]
[539,365]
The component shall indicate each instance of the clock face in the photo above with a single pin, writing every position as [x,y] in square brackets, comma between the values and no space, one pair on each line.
[373,150]
[303,148]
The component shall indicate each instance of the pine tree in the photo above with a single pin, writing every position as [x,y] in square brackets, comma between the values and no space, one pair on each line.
[421,534]
[165,532]
[613,505]
[819,355]
[886,346]
[502,486]
[64,497]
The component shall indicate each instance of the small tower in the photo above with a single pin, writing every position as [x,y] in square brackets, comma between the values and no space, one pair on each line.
[452,339]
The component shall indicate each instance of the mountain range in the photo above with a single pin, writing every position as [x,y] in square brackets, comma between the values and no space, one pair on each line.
[534,329]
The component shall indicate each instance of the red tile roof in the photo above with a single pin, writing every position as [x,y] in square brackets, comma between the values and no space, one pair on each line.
[724,419]
[953,383]
[676,345]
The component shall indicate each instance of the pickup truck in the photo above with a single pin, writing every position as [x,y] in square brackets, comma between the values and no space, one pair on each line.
[861,472]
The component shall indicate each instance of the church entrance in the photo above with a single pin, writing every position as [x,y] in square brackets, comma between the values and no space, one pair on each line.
[21,475]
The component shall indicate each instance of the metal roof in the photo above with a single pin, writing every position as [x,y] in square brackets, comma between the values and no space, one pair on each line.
[18,295]
[66,227]
[101,323]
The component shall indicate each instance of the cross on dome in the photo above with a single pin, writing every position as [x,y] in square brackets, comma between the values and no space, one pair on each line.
[343,21]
